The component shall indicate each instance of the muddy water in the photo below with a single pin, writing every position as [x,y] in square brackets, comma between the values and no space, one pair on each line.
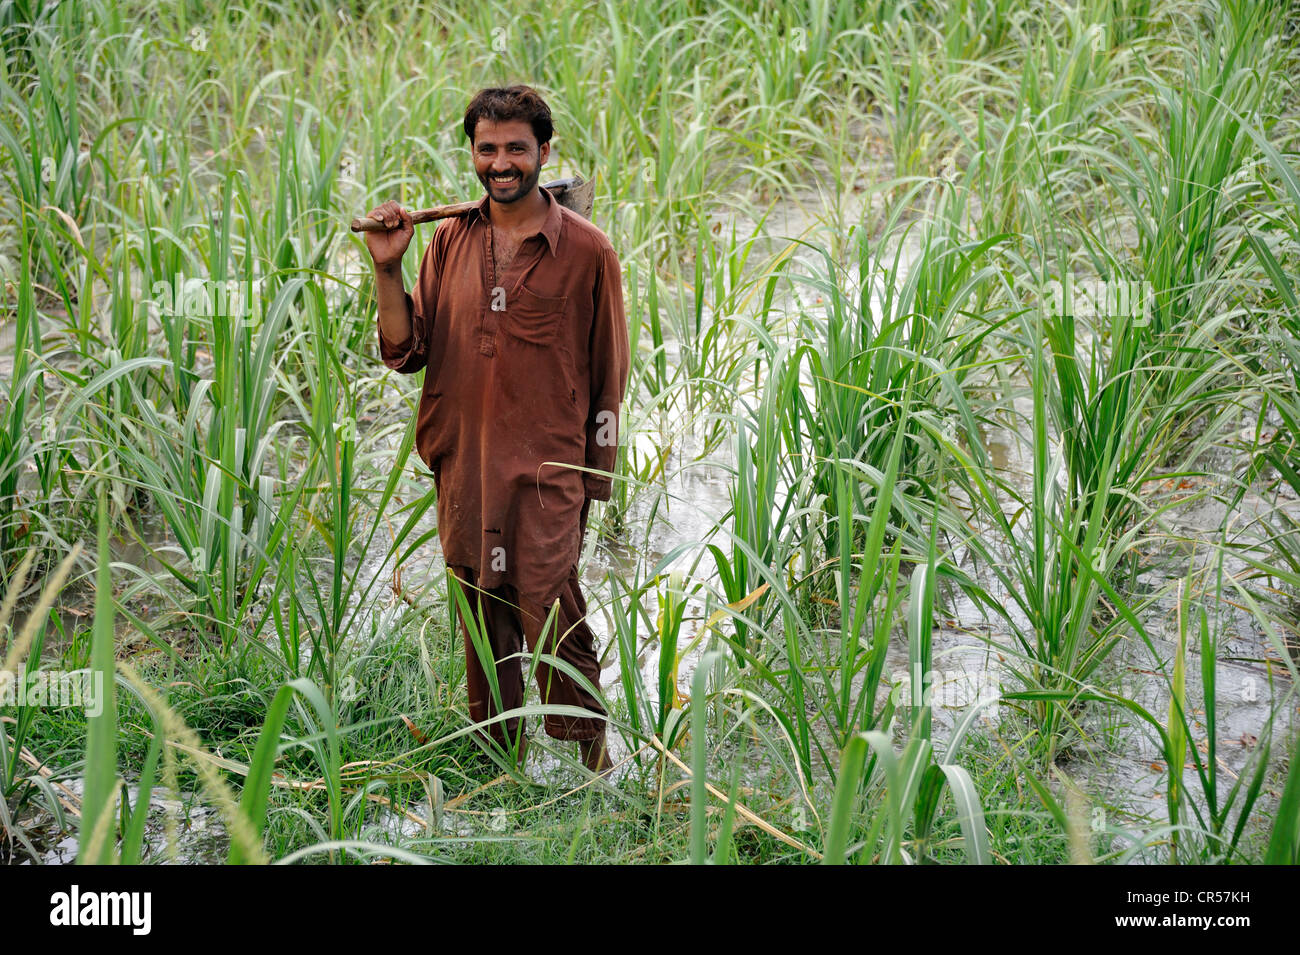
[8,337]
[1119,764]
[1251,676]
[200,833]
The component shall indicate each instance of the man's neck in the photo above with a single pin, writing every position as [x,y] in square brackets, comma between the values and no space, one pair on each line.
[515,216]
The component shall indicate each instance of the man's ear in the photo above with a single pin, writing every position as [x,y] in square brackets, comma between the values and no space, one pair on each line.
[544,153]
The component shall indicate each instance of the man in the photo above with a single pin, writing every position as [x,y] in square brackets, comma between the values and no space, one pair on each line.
[517,317]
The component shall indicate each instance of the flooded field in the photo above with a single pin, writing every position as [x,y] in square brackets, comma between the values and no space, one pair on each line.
[955,516]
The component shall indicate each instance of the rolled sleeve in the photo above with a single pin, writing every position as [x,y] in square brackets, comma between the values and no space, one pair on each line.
[410,356]
[610,364]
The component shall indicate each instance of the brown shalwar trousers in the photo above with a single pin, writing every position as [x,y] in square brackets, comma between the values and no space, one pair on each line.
[511,621]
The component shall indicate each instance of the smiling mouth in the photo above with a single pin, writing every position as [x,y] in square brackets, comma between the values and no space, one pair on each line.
[504,180]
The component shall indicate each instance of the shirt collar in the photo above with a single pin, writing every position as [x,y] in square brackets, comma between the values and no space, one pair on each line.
[550,229]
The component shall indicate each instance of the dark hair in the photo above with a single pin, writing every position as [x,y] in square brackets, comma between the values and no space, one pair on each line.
[513,102]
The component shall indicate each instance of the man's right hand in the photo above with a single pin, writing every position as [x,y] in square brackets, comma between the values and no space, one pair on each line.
[387,248]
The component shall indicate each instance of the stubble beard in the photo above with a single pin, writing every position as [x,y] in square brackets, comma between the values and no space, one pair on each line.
[526,185]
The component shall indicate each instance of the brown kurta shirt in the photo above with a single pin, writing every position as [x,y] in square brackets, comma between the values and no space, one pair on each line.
[513,395]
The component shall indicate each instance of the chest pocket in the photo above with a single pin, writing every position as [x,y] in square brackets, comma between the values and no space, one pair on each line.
[534,318]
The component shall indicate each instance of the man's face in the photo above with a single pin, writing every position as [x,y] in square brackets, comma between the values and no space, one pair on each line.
[507,159]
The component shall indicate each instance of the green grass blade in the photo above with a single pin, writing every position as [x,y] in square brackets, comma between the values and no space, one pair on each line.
[846,793]
[970,814]
[257,786]
[101,733]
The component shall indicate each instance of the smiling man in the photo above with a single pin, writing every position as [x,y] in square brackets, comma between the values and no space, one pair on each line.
[517,317]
